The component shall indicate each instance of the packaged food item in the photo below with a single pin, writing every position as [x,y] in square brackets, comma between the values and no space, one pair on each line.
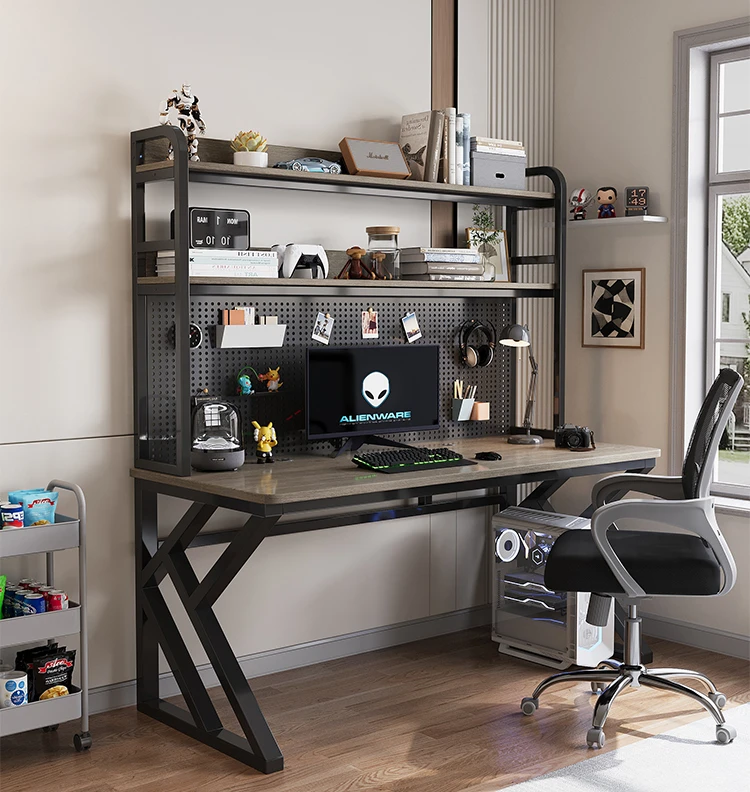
[39,508]
[53,675]
[3,580]
[11,515]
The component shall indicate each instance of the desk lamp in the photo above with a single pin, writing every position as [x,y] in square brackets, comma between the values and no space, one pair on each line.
[516,335]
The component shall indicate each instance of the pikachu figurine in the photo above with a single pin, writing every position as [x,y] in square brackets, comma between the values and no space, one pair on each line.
[265,440]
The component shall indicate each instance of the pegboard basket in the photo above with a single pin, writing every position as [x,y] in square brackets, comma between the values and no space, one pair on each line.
[250,336]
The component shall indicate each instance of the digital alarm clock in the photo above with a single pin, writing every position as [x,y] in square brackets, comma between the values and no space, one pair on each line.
[218,229]
[636,201]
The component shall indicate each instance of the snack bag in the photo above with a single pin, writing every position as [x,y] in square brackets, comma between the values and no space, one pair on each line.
[25,662]
[39,507]
[53,675]
[3,580]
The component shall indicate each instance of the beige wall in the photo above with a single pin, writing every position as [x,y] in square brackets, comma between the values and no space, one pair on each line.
[613,125]
[77,78]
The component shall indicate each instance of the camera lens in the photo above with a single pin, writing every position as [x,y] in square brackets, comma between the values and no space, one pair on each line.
[574,440]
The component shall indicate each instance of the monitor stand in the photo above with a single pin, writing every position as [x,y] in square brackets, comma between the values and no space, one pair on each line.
[355,443]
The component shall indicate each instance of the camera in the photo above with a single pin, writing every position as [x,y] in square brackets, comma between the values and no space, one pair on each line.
[576,438]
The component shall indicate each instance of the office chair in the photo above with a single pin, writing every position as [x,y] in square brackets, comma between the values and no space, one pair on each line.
[633,565]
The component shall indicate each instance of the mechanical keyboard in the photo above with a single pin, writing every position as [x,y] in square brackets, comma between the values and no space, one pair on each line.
[404,460]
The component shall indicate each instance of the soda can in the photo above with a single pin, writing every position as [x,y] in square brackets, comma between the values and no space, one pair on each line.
[58,600]
[24,582]
[9,603]
[36,587]
[33,603]
[45,590]
[18,601]
[11,515]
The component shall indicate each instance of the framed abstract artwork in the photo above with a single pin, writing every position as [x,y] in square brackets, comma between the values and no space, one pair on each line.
[614,303]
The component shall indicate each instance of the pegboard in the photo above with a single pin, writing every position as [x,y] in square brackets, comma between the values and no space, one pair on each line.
[217,369]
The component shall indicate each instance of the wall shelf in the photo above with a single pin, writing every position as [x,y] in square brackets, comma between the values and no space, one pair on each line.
[639,220]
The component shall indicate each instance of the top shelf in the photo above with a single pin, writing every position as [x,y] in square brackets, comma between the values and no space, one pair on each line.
[223,173]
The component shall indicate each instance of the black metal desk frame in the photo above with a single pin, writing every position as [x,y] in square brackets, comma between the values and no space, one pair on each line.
[155,559]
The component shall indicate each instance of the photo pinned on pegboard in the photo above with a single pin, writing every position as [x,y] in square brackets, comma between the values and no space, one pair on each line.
[411,327]
[323,328]
[370,323]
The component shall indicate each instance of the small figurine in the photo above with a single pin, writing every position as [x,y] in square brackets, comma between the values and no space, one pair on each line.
[606,197]
[355,268]
[265,440]
[381,273]
[188,118]
[271,378]
[244,383]
[580,198]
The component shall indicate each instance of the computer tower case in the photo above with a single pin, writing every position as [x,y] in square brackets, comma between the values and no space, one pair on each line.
[529,620]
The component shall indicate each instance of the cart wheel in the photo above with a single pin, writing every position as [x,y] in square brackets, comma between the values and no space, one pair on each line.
[82,742]
[53,727]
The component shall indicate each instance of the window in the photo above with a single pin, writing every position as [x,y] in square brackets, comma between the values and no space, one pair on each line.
[728,292]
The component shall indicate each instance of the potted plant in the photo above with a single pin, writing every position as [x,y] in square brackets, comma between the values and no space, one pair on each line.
[250,148]
[484,238]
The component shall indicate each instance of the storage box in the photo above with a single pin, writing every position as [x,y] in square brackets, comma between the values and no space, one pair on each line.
[498,170]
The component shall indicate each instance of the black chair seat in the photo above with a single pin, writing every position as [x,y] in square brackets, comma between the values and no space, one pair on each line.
[661,563]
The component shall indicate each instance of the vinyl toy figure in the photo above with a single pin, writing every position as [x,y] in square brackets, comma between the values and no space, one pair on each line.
[265,440]
[272,379]
[580,198]
[355,268]
[606,197]
[188,118]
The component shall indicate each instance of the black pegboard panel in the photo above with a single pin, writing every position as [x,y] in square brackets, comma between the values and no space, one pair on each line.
[216,369]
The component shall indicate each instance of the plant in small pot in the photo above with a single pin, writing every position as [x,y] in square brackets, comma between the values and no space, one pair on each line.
[250,148]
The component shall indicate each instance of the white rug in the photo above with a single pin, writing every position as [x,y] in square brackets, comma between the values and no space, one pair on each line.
[686,759]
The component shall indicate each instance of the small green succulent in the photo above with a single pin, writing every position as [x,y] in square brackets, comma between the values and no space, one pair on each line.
[249,141]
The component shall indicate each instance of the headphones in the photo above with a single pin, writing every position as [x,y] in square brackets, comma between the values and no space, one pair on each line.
[480,355]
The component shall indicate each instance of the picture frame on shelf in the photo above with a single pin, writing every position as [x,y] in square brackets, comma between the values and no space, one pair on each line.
[374,158]
[493,251]
[614,308]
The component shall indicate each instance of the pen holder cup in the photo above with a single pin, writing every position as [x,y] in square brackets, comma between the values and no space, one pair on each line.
[480,411]
[462,409]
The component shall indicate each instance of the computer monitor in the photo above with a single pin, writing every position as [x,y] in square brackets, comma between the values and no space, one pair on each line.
[361,391]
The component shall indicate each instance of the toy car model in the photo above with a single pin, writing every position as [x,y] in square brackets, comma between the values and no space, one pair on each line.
[311,164]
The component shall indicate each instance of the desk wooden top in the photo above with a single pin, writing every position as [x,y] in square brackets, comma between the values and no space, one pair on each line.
[302,479]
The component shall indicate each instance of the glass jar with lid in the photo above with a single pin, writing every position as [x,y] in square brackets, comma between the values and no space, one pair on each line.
[382,251]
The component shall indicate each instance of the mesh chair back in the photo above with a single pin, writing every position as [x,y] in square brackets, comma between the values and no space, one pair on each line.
[712,419]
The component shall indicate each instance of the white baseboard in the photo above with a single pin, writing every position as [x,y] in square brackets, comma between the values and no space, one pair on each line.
[123,694]
[698,636]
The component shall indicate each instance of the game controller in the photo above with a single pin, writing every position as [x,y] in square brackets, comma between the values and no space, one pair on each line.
[302,261]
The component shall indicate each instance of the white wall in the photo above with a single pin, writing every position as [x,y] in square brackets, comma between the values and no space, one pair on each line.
[613,126]
[77,78]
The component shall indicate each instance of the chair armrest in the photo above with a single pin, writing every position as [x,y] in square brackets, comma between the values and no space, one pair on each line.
[665,487]
[696,516]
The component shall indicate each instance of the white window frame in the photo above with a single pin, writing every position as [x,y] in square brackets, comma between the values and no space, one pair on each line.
[720,184]
[690,180]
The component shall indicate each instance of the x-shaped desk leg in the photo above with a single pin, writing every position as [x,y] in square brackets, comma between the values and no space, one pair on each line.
[157,628]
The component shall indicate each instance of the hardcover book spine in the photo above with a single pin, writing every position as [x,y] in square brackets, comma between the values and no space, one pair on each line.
[466,258]
[450,146]
[467,148]
[434,146]
[459,150]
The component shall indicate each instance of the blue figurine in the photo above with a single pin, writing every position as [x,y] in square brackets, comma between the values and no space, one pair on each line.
[244,383]
[606,197]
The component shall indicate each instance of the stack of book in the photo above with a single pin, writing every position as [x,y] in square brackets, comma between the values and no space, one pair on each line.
[207,263]
[440,264]
[436,145]
[485,145]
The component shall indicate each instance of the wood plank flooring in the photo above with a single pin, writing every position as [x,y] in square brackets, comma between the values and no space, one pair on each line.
[440,715]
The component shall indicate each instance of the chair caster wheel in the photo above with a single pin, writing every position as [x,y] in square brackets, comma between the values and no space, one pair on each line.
[598,687]
[82,742]
[529,705]
[719,699]
[595,738]
[725,733]
[53,728]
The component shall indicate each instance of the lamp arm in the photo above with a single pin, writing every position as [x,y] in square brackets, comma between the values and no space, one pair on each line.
[529,414]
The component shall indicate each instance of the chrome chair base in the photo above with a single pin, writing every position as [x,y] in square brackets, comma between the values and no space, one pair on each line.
[609,681]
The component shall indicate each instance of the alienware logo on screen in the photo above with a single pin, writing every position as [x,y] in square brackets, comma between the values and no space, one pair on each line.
[376,388]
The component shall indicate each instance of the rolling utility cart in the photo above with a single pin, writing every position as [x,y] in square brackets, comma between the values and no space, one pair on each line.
[63,534]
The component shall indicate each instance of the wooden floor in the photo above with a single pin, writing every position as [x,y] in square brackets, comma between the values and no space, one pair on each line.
[434,716]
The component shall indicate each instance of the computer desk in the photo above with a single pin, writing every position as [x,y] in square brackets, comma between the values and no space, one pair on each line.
[272,500]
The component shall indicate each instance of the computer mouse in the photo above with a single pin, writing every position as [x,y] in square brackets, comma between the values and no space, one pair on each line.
[488,456]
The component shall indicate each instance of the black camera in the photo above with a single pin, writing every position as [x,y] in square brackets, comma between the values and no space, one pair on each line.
[577,438]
